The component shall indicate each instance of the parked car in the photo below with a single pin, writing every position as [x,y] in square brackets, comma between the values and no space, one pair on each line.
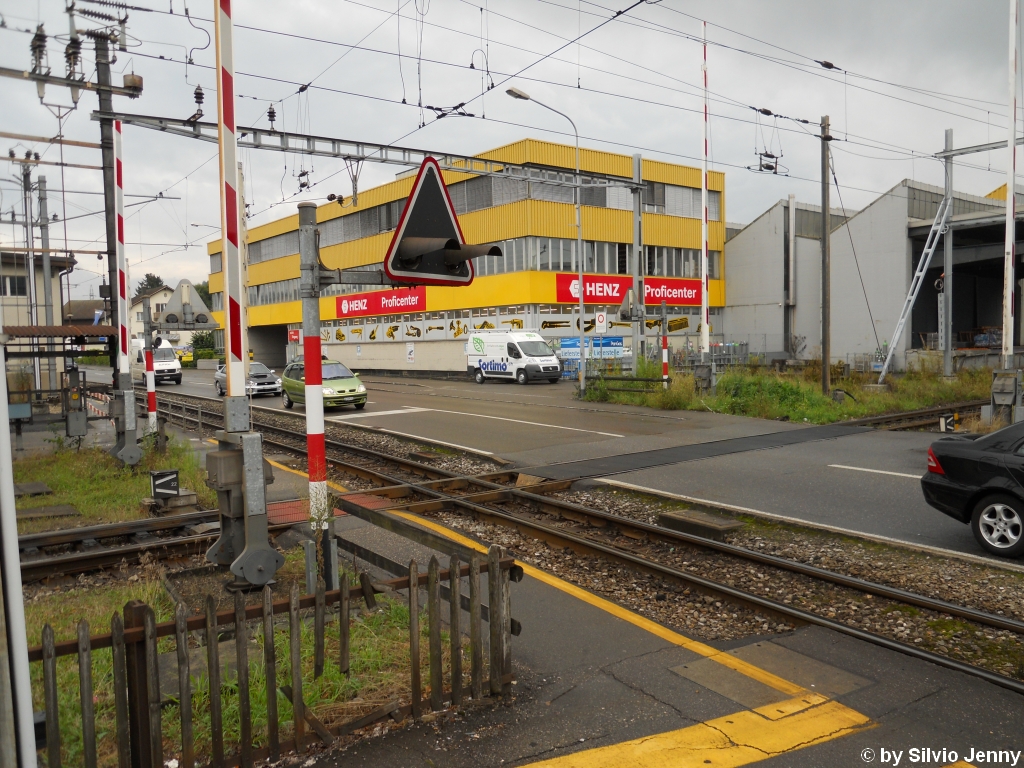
[979,480]
[261,381]
[340,385]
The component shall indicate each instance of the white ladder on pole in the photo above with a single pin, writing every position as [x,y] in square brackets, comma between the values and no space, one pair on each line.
[939,227]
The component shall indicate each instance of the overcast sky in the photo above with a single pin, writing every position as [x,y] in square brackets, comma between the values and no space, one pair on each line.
[905,72]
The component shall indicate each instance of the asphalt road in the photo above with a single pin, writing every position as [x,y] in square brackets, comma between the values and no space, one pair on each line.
[866,482]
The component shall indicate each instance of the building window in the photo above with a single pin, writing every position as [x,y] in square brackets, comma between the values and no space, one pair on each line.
[216,263]
[217,301]
[160,307]
[15,286]
[138,317]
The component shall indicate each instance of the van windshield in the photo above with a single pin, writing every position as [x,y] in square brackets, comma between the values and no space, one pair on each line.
[535,349]
[163,354]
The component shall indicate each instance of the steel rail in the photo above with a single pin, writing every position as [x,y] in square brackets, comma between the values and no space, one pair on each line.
[111,530]
[641,531]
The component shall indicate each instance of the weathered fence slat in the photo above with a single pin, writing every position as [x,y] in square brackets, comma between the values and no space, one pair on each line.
[495,606]
[416,684]
[455,626]
[213,668]
[505,582]
[270,662]
[85,694]
[367,584]
[343,622]
[124,755]
[188,759]
[318,727]
[475,630]
[296,660]
[242,665]
[319,611]
[50,694]
[434,627]
[156,745]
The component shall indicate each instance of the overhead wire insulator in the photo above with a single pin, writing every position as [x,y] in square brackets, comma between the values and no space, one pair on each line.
[38,48]
[271,115]
[200,97]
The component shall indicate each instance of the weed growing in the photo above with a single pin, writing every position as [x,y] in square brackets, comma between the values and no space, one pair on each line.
[100,487]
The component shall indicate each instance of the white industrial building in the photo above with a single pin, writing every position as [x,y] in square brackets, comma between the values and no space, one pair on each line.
[774,301]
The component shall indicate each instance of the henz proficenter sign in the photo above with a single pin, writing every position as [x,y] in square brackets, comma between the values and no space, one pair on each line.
[394,302]
[674,292]
[611,289]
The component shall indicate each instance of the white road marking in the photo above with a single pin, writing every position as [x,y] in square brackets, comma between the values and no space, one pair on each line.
[375,413]
[876,471]
[411,409]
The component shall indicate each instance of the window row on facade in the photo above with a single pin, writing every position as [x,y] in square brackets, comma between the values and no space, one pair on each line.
[486,192]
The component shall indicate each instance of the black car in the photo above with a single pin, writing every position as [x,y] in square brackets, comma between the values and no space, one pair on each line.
[980,480]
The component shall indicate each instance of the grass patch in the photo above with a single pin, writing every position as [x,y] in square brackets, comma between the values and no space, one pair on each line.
[797,396]
[379,672]
[101,487]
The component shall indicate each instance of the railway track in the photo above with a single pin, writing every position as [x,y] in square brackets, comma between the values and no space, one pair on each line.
[401,484]
[925,417]
[74,551]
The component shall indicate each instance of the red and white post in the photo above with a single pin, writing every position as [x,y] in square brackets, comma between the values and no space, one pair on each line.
[664,345]
[123,321]
[1011,195]
[705,313]
[309,292]
[234,327]
[147,333]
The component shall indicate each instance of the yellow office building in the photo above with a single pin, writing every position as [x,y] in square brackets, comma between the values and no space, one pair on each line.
[532,285]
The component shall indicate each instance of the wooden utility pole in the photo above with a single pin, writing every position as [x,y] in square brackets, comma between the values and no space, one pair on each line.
[826,228]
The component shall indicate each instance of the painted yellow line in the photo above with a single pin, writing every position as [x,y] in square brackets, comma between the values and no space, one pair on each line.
[723,658]
[300,473]
[738,739]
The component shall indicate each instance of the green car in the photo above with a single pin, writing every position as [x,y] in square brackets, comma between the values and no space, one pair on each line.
[341,386]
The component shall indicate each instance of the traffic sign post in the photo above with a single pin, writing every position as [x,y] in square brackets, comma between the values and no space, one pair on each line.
[428,247]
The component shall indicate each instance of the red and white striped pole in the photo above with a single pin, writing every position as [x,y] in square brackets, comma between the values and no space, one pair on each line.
[664,345]
[123,369]
[309,293]
[230,212]
[705,313]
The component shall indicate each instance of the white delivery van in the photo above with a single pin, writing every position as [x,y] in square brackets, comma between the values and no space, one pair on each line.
[165,363]
[520,355]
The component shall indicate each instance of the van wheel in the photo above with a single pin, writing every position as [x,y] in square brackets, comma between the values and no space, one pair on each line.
[478,376]
[521,376]
[177,379]
[286,401]
[553,381]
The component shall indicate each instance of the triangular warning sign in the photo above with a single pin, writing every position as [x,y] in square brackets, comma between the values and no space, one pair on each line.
[428,226]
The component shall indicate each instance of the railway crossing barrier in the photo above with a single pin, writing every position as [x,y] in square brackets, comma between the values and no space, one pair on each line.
[124,711]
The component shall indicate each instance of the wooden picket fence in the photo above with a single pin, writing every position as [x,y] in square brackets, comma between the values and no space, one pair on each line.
[136,681]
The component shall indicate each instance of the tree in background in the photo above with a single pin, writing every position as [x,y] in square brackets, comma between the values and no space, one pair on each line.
[148,284]
[203,340]
[203,289]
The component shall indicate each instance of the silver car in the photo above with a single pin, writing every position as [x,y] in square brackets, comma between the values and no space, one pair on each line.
[261,381]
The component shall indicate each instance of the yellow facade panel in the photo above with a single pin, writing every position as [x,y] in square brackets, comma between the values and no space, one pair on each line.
[604,224]
[716,293]
[494,291]
[502,222]
[284,268]
[677,232]
[999,193]
[276,314]
[354,253]
[681,175]
[216,284]
[534,152]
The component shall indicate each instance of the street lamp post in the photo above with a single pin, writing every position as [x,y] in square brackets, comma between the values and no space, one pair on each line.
[515,93]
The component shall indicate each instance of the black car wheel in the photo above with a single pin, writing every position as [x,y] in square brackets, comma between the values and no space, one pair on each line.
[478,376]
[360,406]
[220,389]
[998,525]
[287,401]
[552,381]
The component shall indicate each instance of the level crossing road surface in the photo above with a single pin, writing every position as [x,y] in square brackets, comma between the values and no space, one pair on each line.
[599,686]
[866,481]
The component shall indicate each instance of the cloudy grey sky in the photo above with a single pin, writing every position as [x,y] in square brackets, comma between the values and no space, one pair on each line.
[906,71]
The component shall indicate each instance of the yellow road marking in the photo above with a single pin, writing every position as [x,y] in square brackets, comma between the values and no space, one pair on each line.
[300,473]
[738,739]
[723,658]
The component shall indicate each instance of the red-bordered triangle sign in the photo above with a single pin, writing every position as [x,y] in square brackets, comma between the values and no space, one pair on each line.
[428,213]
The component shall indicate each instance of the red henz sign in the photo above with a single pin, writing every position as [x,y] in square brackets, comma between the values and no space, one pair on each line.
[675,292]
[395,302]
[599,289]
